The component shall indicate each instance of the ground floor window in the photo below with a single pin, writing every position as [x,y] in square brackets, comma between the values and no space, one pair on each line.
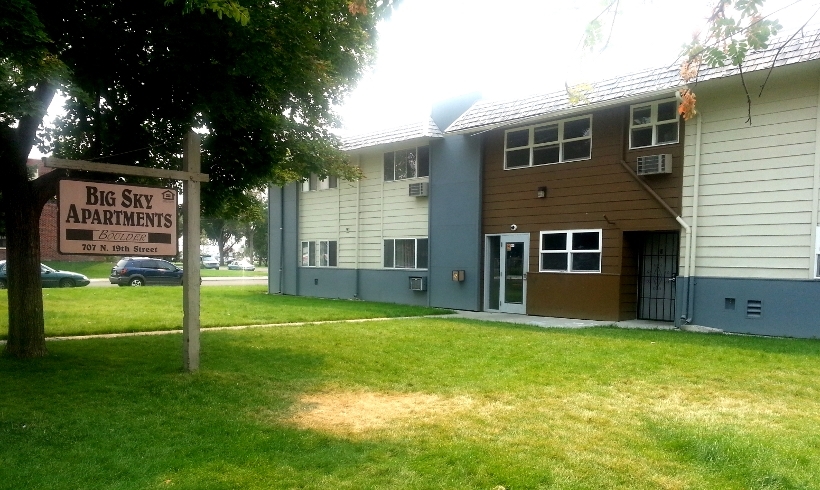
[2,241]
[405,253]
[570,251]
[326,256]
[817,253]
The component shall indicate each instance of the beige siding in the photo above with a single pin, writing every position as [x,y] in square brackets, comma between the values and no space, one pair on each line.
[360,215]
[756,181]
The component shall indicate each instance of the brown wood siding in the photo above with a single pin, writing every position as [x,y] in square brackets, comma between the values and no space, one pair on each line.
[587,194]
[630,269]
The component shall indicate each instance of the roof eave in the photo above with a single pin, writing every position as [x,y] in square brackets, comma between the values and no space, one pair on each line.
[577,110]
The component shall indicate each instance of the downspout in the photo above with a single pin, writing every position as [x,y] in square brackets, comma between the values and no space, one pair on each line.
[358,201]
[693,240]
[675,215]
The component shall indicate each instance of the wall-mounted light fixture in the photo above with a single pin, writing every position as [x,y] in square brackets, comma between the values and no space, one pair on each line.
[542,192]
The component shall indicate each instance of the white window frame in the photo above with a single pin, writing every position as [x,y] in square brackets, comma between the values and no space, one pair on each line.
[326,262]
[653,123]
[568,250]
[415,253]
[311,252]
[416,176]
[314,249]
[817,253]
[531,145]
[314,183]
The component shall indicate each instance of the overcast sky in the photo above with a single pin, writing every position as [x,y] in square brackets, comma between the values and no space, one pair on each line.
[431,50]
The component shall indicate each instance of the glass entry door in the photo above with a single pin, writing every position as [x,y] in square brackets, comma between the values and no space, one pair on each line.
[507,263]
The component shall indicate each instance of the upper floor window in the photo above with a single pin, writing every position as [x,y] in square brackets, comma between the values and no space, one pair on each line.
[405,253]
[407,164]
[653,124]
[313,183]
[570,251]
[562,141]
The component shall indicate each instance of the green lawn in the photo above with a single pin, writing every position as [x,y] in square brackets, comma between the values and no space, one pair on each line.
[83,311]
[416,404]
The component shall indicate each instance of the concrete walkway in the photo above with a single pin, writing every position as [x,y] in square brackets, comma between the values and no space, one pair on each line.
[554,322]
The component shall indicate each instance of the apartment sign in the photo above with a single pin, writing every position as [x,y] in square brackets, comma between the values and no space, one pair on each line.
[115,219]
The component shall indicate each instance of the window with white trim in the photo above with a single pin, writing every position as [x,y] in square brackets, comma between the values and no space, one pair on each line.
[314,183]
[542,144]
[570,251]
[817,253]
[405,253]
[407,164]
[653,124]
[321,253]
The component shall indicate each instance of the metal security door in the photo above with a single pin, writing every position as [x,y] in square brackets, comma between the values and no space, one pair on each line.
[658,270]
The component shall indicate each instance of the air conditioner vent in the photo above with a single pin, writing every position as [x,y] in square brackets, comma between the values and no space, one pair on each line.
[754,308]
[418,189]
[655,164]
[418,284]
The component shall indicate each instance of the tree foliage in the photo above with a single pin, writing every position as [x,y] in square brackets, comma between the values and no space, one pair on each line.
[138,75]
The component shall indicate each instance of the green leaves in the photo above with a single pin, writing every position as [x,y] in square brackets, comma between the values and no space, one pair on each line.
[229,8]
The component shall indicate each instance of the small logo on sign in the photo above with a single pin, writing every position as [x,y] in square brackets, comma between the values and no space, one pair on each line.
[167,196]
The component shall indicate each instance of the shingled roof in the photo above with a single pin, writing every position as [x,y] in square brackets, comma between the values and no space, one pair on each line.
[486,115]
[426,129]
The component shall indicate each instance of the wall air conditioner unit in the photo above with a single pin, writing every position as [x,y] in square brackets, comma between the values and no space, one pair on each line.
[418,284]
[419,189]
[655,164]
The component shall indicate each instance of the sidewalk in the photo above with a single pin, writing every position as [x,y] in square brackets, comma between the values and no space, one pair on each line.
[554,322]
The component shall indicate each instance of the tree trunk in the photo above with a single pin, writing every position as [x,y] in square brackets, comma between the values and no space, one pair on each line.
[250,242]
[26,327]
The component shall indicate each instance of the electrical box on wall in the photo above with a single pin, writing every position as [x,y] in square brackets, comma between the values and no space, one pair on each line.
[418,189]
[655,164]
[418,284]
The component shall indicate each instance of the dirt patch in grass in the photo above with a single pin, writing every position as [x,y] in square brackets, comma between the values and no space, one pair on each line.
[357,412]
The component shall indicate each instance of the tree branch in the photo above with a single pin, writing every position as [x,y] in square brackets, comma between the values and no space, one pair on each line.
[27,128]
[771,68]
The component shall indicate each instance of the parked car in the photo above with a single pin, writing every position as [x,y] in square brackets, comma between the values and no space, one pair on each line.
[208,262]
[241,265]
[50,278]
[145,271]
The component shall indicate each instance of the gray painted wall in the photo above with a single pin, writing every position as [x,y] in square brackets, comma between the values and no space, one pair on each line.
[455,212]
[388,286]
[274,239]
[790,308]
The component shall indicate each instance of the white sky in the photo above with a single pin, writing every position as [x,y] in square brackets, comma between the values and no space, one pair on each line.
[431,50]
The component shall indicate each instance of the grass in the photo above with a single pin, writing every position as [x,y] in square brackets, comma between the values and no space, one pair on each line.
[85,311]
[101,270]
[416,404]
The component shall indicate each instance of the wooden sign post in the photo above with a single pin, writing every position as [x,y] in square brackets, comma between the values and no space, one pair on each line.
[191,177]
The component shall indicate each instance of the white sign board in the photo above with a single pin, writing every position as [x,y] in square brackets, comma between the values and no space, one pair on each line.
[115,219]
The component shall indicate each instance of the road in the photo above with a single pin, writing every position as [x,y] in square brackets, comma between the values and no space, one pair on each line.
[206,281]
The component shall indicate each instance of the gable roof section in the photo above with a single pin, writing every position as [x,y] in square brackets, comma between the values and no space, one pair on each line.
[426,129]
[486,115]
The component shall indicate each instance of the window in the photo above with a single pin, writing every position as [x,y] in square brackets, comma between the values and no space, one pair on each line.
[571,251]
[308,254]
[2,241]
[327,253]
[313,183]
[405,253]
[407,164]
[817,254]
[653,124]
[327,256]
[562,141]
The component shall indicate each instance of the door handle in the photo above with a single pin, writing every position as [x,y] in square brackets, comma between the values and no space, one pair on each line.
[525,276]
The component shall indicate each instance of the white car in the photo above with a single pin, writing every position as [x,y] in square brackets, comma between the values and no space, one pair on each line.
[208,262]
[241,265]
